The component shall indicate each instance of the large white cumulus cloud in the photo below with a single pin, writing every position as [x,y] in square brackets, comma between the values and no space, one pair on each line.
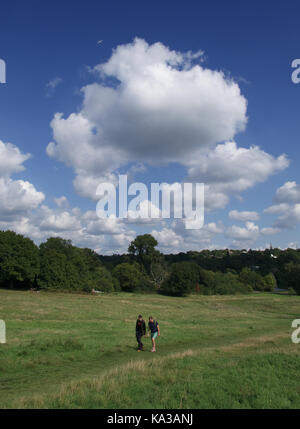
[163,106]
[151,105]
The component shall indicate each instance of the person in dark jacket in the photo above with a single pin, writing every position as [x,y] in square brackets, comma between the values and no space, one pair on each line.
[140,331]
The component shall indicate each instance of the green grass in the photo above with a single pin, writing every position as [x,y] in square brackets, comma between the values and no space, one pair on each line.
[79,351]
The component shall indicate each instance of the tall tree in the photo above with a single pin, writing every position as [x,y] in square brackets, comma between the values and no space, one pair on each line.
[19,260]
[151,259]
[143,247]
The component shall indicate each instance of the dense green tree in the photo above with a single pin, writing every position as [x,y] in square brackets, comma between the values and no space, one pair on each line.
[142,245]
[101,280]
[153,263]
[19,260]
[158,271]
[253,279]
[182,280]
[143,248]
[290,276]
[208,280]
[269,282]
[229,283]
[67,267]
[96,276]
[218,283]
[130,277]
[54,260]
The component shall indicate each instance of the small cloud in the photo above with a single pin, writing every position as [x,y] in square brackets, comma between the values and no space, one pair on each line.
[52,84]
[270,231]
[288,193]
[61,202]
[241,79]
[293,245]
[243,216]
[277,208]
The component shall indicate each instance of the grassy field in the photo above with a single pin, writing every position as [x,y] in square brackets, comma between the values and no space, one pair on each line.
[79,351]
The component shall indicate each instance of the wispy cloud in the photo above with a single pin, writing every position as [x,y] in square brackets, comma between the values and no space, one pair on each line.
[51,85]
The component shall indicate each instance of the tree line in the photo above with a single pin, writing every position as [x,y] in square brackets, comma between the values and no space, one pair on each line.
[58,265]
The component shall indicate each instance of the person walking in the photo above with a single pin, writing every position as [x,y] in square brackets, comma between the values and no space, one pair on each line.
[140,329]
[153,327]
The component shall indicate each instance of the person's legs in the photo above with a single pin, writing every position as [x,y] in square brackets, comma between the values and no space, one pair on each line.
[153,336]
[139,340]
[153,344]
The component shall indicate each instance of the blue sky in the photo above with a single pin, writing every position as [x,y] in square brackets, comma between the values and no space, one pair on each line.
[51,53]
